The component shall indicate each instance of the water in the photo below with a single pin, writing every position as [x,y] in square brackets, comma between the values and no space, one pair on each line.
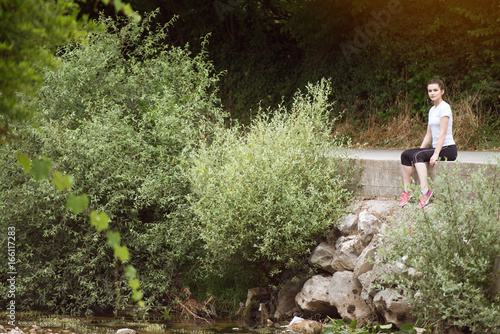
[103,325]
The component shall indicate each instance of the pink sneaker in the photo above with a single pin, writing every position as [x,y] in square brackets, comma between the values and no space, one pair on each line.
[424,199]
[405,197]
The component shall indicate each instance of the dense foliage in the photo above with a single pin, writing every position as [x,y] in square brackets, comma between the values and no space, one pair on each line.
[453,246]
[374,51]
[264,197]
[127,117]
[117,114]
[29,33]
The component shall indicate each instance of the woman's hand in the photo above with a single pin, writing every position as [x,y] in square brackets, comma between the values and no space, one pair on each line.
[433,160]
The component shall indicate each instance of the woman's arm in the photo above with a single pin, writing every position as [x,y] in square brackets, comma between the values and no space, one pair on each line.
[443,127]
[427,139]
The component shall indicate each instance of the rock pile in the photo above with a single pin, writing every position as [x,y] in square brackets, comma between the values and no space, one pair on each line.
[347,256]
[346,288]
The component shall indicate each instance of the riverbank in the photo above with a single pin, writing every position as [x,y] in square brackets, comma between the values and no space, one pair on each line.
[54,324]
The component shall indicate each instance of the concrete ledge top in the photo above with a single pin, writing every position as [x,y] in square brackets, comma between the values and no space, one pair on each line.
[482,157]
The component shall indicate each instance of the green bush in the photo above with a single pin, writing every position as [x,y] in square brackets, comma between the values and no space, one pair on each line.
[338,326]
[453,246]
[261,196]
[119,113]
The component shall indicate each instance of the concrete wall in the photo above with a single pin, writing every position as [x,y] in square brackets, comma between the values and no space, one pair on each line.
[380,170]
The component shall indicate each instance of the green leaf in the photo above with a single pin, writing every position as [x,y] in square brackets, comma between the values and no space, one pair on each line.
[62,181]
[385,327]
[407,328]
[118,5]
[106,2]
[137,295]
[41,168]
[340,322]
[25,162]
[353,324]
[77,204]
[134,284]
[99,220]
[136,17]
[141,303]
[130,272]
[114,239]
[121,252]
[127,10]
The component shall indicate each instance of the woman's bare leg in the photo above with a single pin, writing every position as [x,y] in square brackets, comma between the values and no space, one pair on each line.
[422,175]
[407,173]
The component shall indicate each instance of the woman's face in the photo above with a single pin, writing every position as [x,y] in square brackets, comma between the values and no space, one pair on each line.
[435,93]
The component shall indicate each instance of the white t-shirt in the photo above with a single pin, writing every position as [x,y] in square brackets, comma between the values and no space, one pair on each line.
[435,114]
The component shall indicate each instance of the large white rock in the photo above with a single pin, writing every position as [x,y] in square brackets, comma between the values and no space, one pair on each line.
[125,331]
[368,225]
[322,256]
[348,224]
[347,252]
[383,269]
[305,327]
[393,307]
[364,262]
[369,290]
[314,295]
[381,208]
[344,292]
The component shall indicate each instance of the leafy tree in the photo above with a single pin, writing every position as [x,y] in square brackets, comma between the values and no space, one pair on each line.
[30,31]
[118,113]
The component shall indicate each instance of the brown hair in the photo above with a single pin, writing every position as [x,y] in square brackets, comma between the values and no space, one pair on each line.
[439,82]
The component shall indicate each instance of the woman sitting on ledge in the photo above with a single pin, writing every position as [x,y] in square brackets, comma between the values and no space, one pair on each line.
[439,134]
